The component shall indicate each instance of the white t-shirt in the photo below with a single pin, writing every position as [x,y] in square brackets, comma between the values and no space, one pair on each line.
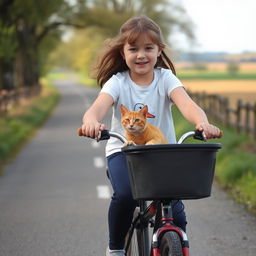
[156,95]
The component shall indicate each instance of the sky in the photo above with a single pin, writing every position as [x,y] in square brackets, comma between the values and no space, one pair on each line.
[222,25]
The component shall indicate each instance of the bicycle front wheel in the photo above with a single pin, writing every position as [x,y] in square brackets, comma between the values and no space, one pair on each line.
[170,244]
[135,248]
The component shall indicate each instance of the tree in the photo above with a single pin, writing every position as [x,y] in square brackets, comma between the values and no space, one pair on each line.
[30,22]
[105,19]
[167,13]
[32,28]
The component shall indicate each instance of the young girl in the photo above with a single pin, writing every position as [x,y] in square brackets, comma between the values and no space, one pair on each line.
[135,70]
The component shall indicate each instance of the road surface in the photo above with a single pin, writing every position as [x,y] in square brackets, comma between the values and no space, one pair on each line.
[54,196]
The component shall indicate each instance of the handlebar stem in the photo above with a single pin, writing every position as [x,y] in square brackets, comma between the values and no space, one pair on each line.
[186,136]
[118,136]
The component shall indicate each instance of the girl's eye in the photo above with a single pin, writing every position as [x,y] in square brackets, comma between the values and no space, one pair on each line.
[132,49]
[149,48]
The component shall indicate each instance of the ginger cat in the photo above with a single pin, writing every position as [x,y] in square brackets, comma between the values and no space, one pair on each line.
[138,130]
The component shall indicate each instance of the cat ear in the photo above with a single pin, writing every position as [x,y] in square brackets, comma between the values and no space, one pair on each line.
[123,109]
[144,110]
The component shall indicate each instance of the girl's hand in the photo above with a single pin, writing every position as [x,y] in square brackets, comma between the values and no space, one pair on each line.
[91,129]
[93,116]
[210,131]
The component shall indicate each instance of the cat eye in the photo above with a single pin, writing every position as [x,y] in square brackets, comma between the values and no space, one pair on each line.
[137,120]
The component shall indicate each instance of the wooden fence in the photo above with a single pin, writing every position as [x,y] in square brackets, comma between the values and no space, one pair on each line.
[13,97]
[242,117]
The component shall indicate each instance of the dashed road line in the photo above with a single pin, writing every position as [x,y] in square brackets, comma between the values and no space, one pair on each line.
[98,162]
[103,192]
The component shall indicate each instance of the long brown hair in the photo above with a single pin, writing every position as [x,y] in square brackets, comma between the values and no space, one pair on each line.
[112,62]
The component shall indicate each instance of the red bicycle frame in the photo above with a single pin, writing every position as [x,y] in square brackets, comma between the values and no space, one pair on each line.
[168,225]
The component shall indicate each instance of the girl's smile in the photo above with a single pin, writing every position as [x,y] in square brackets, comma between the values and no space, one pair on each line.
[141,63]
[141,58]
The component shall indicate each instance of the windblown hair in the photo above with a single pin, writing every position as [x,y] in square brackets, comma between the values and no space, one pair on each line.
[112,62]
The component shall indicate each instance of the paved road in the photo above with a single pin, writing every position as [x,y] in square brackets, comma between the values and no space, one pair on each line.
[54,196]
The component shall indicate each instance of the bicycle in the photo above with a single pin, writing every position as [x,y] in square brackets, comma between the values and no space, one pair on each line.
[148,168]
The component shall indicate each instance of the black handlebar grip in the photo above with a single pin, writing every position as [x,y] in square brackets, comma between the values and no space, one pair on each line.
[199,135]
[103,135]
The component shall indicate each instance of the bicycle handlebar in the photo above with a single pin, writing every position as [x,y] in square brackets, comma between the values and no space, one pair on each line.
[106,134]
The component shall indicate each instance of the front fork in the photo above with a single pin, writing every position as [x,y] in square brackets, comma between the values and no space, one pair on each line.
[168,225]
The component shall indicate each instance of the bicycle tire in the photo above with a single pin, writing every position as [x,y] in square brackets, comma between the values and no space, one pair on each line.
[135,244]
[135,248]
[170,244]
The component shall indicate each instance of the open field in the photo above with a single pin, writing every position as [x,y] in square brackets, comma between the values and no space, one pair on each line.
[233,89]
[216,70]
[244,67]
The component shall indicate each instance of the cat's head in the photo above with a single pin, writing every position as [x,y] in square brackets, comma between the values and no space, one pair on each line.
[134,121]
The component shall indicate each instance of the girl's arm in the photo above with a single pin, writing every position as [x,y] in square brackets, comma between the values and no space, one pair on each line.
[95,114]
[193,113]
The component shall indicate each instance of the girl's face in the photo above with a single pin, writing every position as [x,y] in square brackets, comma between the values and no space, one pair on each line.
[141,58]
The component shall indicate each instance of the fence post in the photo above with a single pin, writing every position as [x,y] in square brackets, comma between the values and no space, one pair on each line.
[238,115]
[227,112]
[247,118]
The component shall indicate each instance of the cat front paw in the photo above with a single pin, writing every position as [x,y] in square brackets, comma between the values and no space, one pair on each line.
[152,142]
[129,143]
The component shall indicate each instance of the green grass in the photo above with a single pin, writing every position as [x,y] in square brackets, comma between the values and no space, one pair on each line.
[236,165]
[80,77]
[21,123]
[56,75]
[86,81]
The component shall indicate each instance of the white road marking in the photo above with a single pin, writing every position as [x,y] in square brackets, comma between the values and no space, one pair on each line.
[98,162]
[95,144]
[103,192]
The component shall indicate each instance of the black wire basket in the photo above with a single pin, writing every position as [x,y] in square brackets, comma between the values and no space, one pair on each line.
[171,171]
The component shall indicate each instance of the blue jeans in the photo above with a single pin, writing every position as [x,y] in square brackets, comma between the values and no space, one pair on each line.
[122,204]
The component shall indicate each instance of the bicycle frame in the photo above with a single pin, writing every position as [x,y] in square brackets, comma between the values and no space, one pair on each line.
[168,225]
[143,220]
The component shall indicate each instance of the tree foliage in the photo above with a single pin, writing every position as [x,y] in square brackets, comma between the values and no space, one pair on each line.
[31,29]
[105,18]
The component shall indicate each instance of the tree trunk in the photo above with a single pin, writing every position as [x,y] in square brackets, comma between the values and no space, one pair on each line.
[1,76]
[26,66]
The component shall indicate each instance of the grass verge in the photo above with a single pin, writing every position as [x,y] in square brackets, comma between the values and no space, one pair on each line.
[22,121]
[236,165]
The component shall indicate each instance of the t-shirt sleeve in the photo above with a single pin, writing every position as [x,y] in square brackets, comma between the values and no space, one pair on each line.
[171,82]
[112,88]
